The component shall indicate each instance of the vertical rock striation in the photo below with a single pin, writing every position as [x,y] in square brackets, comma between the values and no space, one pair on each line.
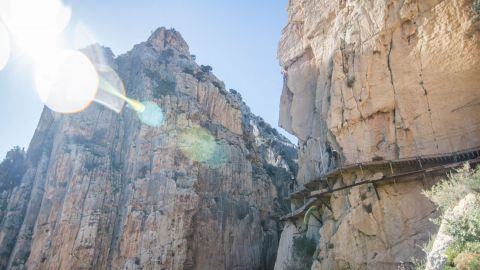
[385,79]
[105,191]
[370,81]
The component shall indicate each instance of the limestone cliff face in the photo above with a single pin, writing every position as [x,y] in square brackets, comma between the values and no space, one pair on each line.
[383,79]
[376,80]
[105,191]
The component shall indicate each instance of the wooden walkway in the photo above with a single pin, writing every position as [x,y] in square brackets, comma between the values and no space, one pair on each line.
[425,165]
[420,162]
[394,177]
[299,211]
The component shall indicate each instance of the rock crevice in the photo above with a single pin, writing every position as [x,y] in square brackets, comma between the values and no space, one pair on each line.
[388,79]
[102,190]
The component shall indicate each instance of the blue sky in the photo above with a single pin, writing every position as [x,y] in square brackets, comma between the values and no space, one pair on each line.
[237,38]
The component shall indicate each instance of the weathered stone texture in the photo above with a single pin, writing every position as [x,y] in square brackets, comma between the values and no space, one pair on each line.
[383,79]
[104,191]
[377,80]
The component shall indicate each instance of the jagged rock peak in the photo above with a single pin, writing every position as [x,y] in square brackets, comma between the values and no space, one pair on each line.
[106,190]
[100,54]
[163,38]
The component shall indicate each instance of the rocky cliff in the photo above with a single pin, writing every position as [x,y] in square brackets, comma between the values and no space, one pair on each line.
[375,81]
[101,190]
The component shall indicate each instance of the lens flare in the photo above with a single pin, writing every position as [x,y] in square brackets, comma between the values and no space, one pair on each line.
[137,105]
[67,83]
[27,16]
[151,114]
[219,157]
[111,91]
[83,37]
[199,145]
[35,24]
[4,46]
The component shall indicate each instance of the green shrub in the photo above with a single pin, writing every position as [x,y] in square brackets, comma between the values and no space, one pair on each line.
[200,76]
[163,87]
[476,6]
[464,229]
[475,263]
[168,53]
[303,250]
[463,256]
[12,168]
[160,86]
[420,263]
[189,70]
[206,68]
[217,85]
[429,246]
[447,193]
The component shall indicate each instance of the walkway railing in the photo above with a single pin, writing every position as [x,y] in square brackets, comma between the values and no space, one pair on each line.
[442,162]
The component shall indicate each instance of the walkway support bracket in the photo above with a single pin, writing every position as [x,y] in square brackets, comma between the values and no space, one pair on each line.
[326,204]
[376,191]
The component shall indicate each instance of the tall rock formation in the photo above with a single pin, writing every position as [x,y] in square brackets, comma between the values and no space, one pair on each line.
[105,191]
[375,81]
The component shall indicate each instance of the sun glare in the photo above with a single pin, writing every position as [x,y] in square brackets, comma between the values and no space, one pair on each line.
[198,144]
[35,25]
[68,82]
[4,46]
[111,91]
[148,112]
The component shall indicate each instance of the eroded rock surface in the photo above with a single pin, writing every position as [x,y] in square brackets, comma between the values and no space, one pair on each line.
[385,79]
[105,191]
[370,81]
[436,259]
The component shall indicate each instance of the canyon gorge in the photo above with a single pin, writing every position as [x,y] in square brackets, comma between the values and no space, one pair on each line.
[374,90]
[101,190]
[383,96]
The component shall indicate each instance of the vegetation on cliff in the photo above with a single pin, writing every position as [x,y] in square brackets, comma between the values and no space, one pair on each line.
[462,224]
[303,249]
[12,168]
